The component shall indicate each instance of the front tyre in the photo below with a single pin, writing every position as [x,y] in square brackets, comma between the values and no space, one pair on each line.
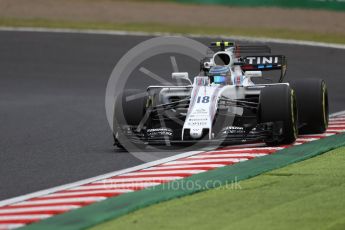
[129,110]
[278,104]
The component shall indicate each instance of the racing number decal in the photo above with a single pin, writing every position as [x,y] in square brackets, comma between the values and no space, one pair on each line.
[205,99]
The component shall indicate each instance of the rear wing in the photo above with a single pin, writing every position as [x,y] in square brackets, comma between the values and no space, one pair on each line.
[238,48]
[263,61]
[266,63]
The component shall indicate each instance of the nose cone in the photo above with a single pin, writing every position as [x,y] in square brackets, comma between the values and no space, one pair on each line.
[196,133]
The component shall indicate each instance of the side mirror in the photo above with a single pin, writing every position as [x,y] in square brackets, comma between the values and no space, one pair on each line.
[253,74]
[181,76]
[207,65]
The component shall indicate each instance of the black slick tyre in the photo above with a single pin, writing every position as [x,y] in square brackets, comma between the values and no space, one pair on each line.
[312,104]
[278,104]
[129,110]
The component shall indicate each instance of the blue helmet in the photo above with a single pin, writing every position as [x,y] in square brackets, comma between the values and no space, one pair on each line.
[219,74]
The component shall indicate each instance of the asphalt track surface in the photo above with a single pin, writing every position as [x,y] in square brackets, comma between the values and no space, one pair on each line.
[53,128]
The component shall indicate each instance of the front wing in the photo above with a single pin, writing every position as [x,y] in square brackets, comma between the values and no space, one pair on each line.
[165,136]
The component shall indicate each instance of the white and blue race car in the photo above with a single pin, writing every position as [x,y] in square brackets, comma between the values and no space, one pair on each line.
[223,105]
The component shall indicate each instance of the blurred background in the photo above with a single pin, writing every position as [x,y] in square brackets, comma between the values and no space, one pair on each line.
[317,20]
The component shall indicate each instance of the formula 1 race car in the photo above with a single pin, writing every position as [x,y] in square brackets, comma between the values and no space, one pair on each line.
[223,105]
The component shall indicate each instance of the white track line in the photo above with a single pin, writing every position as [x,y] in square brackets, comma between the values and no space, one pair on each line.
[143,173]
[140,179]
[93,179]
[340,113]
[336,125]
[120,188]
[338,119]
[87,193]
[315,135]
[185,166]
[25,217]
[120,185]
[127,33]
[10,226]
[239,155]
[13,209]
[306,139]
[101,188]
[244,150]
[230,160]
[114,187]
[61,201]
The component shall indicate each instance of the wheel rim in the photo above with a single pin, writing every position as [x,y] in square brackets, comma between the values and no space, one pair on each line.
[325,104]
[294,113]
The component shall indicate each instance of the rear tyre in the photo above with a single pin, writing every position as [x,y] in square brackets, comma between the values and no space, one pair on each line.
[312,104]
[129,109]
[278,104]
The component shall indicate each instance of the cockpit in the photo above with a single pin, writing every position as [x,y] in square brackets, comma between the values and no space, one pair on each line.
[220,75]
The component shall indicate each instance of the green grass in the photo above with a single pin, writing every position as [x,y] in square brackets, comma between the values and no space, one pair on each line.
[305,195]
[149,27]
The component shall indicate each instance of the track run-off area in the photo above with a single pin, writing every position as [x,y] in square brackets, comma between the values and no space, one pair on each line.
[56,133]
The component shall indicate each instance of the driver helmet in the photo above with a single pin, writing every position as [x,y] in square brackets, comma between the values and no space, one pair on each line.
[220,75]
